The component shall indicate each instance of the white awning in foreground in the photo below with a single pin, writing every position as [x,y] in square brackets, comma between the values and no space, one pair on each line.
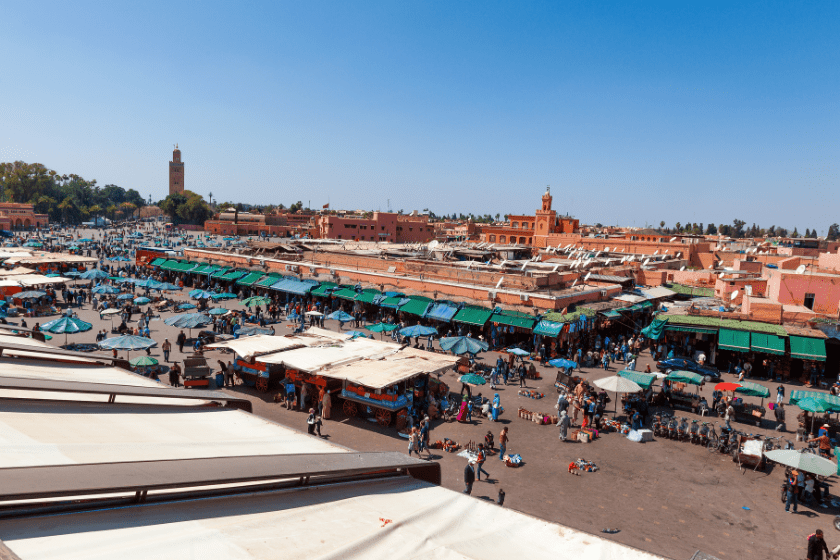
[250,346]
[387,519]
[378,374]
[65,433]
[317,358]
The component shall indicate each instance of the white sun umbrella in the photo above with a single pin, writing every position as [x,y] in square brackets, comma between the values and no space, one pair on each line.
[314,314]
[618,384]
[807,462]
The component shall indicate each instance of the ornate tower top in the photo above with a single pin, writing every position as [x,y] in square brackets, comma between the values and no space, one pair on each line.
[546,200]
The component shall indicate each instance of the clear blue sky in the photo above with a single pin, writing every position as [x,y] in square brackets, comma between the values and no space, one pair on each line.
[633,112]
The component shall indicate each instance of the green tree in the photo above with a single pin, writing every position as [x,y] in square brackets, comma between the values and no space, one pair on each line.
[738,228]
[833,232]
[661,224]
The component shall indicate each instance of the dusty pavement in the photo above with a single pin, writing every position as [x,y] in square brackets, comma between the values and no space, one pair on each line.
[666,497]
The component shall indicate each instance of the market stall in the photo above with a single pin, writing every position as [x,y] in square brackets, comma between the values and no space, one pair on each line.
[748,412]
[678,394]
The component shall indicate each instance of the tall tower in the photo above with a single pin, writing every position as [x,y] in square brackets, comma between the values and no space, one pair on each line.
[176,172]
[545,220]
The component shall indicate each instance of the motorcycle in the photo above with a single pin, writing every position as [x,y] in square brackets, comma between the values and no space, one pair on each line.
[657,424]
[673,428]
[682,430]
[693,432]
[703,434]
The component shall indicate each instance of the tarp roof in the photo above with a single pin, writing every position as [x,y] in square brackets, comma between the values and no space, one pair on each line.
[65,433]
[806,348]
[317,358]
[428,522]
[473,316]
[250,346]
[716,322]
[658,292]
[391,369]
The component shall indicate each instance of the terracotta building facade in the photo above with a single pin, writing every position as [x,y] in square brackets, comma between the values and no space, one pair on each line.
[543,229]
[14,216]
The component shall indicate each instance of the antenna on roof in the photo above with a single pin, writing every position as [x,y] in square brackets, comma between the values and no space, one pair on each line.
[801,269]
[682,268]
[672,240]
[575,282]
[646,262]
[734,295]
[585,278]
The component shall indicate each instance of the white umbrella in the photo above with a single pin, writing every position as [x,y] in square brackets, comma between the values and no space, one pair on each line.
[807,462]
[618,384]
[314,314]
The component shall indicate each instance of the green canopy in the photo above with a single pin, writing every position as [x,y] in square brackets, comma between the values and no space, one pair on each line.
[807,348]
[654,330]
[640,378]
[381,327]
[680,376]
[738,341]
[767,343]
[813,405]
[833,401]
[753,390]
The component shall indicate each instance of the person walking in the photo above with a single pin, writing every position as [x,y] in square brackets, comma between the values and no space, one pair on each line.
[326,405]
[479,462]
[310,422]
[230,380]
[816,546]
[730,414]
[780,394]
[167,348]
[779,413]
[181,340]
[413,436]
[469,478]
[174,375]
[563,424]
[503,441]
[792,496]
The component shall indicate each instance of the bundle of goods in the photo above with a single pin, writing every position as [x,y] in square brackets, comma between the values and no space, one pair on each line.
[586,466]
[625,429]
[531,394]
[513,461]
[584,435]
[450,446]
[538,417]
[612,425]
[436,445]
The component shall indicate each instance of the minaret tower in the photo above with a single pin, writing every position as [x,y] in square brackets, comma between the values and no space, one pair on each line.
[176,172]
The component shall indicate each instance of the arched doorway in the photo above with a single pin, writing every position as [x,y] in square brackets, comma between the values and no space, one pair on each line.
[18,224]
[27,224]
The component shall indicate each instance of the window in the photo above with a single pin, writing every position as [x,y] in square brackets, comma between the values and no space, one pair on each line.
[514,224]
[809,301]
[492,238]
[501,239]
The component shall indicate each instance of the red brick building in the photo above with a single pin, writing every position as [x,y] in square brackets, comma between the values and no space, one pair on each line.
[20,216]
[378,226]
[545,228]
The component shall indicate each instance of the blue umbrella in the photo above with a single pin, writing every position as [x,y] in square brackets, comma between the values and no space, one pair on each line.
[85,240]
[340,316]
[463,345]
[93,274]
[418,330]
[358,334]
[226,295]
[148,283]
[188,320]
[142,301]
[518,352]
[125,297]
[73,274]
[106,290]
[218,311]
[166,286]
[186,306]
[118,280]
[119,259]
[249,331]
[66,325]
[127,342]
[32,294]
[200,294]
[562,363]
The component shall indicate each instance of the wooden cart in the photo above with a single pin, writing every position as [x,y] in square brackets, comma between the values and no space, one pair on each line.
[749,413]
[196,371]
[386,405]
[749,453]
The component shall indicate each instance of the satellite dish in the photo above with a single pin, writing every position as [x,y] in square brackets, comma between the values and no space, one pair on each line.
[711,266]
[801,269]
[588,274]
[623,259]
[720,275]
[433,243]
[632,258]
[734,295]
[646,262]
[656,252]
[666,251]
[682,268]
[672,240]
[575,282]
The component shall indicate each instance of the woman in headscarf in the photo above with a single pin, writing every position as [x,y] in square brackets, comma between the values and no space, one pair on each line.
[497,407]
[563,424]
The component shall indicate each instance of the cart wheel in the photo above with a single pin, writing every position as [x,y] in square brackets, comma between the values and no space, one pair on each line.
[350,409]
[383,418]
[262,384]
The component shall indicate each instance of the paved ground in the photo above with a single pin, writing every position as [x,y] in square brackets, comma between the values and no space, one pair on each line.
[666,497]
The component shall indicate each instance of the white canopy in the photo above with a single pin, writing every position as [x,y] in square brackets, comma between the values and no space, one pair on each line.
[391,369]
[317,358]
[392,518]
[618,384]
[39,279]
[250,346]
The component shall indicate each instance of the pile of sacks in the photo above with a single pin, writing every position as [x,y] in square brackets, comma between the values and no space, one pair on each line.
[531,394]
[538,417]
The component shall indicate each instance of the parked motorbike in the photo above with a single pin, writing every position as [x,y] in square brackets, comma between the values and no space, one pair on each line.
[682,430]
[693,432]
[673,428]
[703,434]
